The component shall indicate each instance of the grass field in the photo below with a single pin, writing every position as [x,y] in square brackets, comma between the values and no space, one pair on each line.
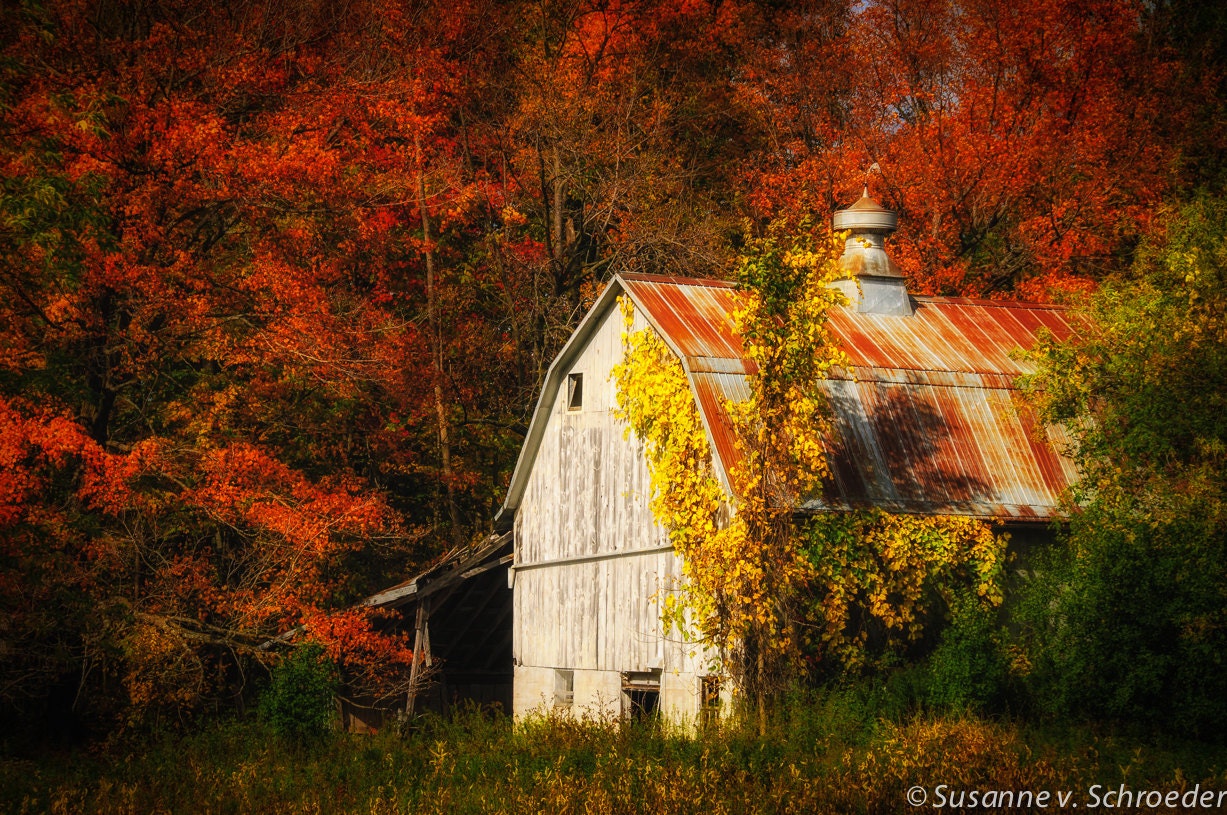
[829,753]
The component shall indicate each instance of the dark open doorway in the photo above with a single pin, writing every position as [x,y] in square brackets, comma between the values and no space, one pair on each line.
[640,695]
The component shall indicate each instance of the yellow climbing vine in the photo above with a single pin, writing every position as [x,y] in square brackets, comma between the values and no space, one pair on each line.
[784,279]
[883,573]
[687,500]
[764,584]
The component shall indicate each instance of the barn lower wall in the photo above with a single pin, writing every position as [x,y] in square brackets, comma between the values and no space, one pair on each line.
[679,696]
[598,694]
[533,690]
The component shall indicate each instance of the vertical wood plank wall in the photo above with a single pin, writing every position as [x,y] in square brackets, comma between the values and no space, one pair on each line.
[586,504]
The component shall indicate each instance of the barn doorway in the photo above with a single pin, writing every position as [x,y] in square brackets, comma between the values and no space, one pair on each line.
[641,695]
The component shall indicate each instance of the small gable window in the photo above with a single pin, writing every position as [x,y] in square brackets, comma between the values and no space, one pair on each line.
[575,391]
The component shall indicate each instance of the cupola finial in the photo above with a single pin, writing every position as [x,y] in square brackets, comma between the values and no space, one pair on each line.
[875,284]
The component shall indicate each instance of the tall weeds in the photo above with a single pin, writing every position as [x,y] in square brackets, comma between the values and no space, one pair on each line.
[827,753]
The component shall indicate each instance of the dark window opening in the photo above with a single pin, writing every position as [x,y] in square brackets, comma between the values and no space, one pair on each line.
[564,688]
[709,701]
[640,695]
[575,391]
[642,705]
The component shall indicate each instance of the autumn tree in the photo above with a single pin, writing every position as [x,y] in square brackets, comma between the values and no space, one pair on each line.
[1126,620]
[222,366]
[612,131]
[741,556]
[784,278]
[1019,142]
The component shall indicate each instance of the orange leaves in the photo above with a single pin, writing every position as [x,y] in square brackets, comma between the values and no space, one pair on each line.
[350,635]
[212,306]
[163,670]
[375,661]
[1015,139]
[245,485]
[34,443]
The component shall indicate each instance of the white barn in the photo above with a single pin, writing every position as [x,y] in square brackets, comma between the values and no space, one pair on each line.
[928,421]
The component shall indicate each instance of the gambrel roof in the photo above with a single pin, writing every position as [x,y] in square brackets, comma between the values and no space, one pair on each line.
[929,420]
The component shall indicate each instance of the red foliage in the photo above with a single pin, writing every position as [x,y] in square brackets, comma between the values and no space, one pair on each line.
[230,406]
[210,324]
[1017,140]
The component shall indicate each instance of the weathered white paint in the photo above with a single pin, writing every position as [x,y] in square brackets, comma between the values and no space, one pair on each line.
[597,694]
[591,564]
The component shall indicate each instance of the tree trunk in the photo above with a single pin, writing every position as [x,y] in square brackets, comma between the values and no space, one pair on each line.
[436,348]
[559,235]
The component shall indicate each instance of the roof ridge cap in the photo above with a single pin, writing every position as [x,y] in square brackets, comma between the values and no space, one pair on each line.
[677,280]
[981,301]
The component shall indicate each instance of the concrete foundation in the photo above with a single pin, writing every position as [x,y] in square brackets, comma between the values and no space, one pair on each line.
[599,694]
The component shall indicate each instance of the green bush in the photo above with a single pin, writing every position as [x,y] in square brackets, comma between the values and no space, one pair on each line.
[968,669]
[300,700]
[1129,625]
[1128,620]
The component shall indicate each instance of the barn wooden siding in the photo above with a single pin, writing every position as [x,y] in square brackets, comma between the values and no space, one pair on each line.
[591,564]
[589,488]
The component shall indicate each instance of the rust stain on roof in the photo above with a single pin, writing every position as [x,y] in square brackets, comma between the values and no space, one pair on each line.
[928,420]
[694,315]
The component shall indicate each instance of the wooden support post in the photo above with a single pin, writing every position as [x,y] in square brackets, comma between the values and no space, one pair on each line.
[421,639]
[429,662]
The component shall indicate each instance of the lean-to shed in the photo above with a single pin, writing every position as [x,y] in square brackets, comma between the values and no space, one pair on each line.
[929,420]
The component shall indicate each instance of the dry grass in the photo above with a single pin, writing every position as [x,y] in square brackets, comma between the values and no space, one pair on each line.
[829,754]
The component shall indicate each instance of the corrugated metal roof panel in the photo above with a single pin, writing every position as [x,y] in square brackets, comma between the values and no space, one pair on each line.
[948,335]
[929,420]
[712,391]
[696,315]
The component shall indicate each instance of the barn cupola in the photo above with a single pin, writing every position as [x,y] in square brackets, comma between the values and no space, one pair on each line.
[874,284]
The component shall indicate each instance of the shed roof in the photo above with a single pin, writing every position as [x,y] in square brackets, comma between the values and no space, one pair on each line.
[928,420]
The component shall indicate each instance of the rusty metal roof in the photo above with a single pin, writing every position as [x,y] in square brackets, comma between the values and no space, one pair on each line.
[928,420]
[694,317]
